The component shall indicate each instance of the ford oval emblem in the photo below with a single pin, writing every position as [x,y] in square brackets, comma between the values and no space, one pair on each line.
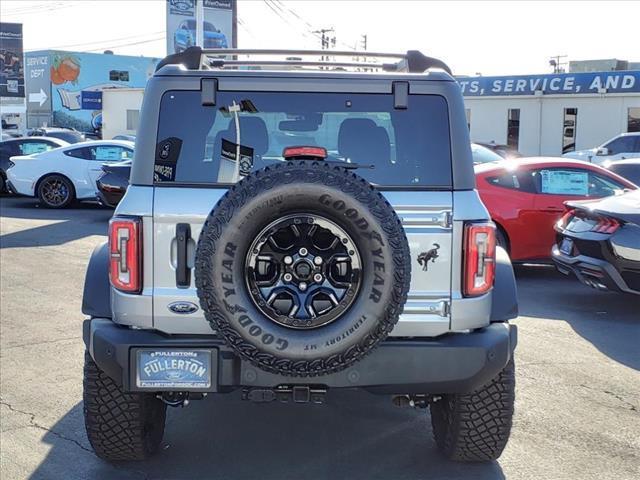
[183,308]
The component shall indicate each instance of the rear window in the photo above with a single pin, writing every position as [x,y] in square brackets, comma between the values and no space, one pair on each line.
[71,137]
[400,147]
[629,171]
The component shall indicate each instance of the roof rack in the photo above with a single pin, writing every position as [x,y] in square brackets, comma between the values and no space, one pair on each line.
[195,58]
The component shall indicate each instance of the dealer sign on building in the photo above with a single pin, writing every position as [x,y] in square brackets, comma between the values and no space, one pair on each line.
[11,61]
[564,83]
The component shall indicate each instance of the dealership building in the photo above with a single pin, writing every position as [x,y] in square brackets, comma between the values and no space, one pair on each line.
[65,89]
[554,113]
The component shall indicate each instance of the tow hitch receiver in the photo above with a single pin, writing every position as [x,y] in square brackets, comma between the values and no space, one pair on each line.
[285,394]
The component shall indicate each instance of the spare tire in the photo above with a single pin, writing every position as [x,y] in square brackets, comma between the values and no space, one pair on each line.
[303,268]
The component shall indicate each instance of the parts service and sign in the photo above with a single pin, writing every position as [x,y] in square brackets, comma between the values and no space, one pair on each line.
[554,84]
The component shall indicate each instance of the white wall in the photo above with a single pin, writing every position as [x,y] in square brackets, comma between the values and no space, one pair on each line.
[600,117]
[115,103]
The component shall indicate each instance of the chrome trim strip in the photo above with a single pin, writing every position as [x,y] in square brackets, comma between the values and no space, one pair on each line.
[415,217]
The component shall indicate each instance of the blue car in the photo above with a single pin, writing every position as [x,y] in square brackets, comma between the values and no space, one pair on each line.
[185,36]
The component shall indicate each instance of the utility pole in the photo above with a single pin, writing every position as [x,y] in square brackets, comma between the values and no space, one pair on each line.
[325,40]
[363,42]
[557,64]
[199,23]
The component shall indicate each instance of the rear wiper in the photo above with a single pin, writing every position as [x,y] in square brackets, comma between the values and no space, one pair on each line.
[349,166]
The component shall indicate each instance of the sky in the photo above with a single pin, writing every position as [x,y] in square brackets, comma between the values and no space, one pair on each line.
[491,38]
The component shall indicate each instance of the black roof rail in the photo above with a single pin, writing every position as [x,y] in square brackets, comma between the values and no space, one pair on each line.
[195,58]
[190,58]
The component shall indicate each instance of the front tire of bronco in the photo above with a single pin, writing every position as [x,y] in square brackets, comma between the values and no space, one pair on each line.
[475,427]
[120,426]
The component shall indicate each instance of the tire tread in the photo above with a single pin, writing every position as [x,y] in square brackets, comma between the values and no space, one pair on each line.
[120,426]
[475,427]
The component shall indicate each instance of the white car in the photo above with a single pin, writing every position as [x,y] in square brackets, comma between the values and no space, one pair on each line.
[60,176]
[625,145]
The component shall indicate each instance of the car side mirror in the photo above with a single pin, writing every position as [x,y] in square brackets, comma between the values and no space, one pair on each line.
[602,151]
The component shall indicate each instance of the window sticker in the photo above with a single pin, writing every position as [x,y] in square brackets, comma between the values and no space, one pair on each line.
[229,151]
[163,173]
[31,148]
[167,152]
[562,182]
[108,153]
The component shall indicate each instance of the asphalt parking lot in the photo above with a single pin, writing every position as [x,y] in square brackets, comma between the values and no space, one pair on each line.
[577,408]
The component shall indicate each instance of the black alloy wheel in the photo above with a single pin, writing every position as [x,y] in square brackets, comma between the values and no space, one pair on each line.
[303,271]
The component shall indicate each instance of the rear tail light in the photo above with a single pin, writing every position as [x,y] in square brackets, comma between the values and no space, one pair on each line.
[479,258]
[304,152]
[606,225]
[125,254]
[566,218]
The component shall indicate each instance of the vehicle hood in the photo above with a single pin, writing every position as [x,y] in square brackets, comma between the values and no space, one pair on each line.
[581,154]
[625,207]
[214,35]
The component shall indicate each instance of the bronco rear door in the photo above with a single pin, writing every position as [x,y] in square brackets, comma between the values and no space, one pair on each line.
[202,150]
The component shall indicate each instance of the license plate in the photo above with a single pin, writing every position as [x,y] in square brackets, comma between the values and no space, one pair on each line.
[566,246]
[187,369]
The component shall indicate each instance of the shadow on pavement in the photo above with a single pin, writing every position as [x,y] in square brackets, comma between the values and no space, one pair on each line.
[79,221]
[609,320]
[355,435]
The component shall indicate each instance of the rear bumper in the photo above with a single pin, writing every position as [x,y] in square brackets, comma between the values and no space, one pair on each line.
[107,199]
[20,187]
[452,363]
[592,272]
[10,188]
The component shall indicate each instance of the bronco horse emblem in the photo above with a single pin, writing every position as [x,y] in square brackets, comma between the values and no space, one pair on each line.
[429,256]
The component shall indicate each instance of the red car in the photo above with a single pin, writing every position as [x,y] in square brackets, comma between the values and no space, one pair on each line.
[525,198]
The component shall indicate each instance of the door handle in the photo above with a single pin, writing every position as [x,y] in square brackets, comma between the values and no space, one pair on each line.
[553,210]
[183,272]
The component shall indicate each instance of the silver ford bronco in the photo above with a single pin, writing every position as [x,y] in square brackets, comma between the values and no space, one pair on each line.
[294,226]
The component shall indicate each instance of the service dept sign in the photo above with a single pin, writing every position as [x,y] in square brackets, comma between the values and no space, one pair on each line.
[563,83]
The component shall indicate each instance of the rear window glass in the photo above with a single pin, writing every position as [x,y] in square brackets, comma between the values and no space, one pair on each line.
[630,172]
[400,147]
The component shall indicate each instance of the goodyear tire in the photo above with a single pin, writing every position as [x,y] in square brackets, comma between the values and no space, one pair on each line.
[475,427]
[120,426]
[303,268]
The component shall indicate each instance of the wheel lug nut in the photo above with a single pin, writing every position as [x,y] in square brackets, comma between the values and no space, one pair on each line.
[303,252]
[317,278]
[287,277]
[302,286]
[288,260]
[317,260]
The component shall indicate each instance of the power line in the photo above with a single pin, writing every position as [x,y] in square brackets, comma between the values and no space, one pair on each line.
[281,17]
[293,12]
[97,42]
[243,25]
[299,17]
[36,10]
[110,47]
